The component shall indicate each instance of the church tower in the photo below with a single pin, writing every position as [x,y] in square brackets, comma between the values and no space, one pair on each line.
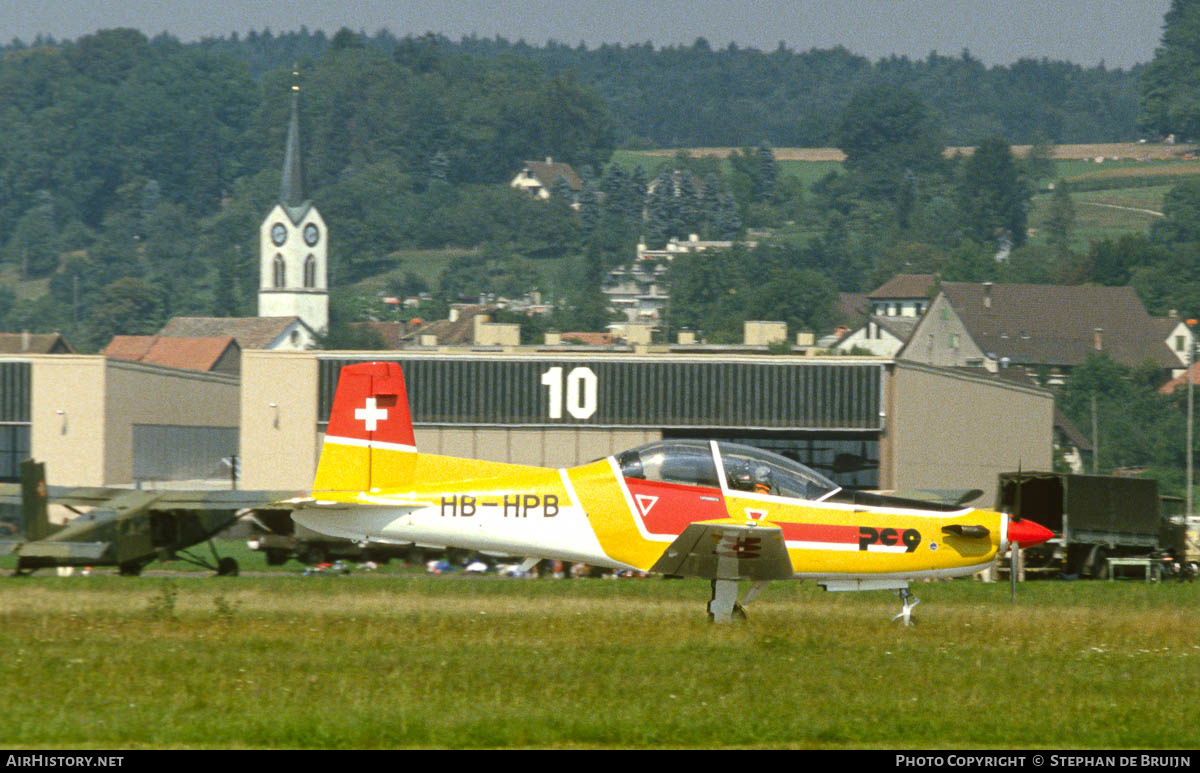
[294,245]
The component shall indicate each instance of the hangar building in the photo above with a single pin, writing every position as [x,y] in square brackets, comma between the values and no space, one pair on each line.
[97,421]
[865,422]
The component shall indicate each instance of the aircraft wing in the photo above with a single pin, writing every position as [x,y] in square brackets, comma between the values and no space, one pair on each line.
[163,499]
[220,499]
[722,550]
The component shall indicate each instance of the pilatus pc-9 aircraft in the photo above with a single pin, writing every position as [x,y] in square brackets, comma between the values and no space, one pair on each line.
[711,509]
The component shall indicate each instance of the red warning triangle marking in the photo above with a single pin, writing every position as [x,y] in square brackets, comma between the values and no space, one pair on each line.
[645,502]
[755,515]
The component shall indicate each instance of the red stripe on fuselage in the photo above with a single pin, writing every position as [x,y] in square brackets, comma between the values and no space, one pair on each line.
[677,505]
[817,532]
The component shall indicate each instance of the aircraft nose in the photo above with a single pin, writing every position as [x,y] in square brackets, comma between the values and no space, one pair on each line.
[1026,533]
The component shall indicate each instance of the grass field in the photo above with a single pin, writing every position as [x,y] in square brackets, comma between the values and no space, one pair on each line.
[389,661]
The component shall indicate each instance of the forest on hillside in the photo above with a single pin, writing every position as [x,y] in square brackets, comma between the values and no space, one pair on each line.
[696,96]
[149,162]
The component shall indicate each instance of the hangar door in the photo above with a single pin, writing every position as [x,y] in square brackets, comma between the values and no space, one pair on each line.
[177,452]
[14,418]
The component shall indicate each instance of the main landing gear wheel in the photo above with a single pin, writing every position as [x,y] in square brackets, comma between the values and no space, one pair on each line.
[909,601]
[725,606]
[227,567]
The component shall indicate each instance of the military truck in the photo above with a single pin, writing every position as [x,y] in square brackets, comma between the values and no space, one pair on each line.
[1094,518]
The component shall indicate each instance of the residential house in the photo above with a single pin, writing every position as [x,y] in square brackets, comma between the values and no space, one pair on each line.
[537,178]
[883,336]
[1049,327]
[277,333]
[212,355]
[684,246]
[639,292]
[904,295]
[34,343]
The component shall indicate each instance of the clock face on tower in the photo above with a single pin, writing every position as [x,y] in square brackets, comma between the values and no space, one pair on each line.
[278,234]
[311,234]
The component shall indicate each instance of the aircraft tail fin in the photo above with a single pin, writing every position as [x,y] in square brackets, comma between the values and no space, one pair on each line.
[369,442]
[35,517]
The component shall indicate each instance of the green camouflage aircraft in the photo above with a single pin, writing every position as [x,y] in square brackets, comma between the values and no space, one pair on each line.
[126,528]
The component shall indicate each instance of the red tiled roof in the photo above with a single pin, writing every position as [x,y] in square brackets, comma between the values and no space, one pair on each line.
[191,353]
[589,339]
[1181,380]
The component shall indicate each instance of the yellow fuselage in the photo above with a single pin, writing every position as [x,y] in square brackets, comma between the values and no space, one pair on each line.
[592,514]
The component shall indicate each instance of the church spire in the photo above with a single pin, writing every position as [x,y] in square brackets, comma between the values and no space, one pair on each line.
[292,190]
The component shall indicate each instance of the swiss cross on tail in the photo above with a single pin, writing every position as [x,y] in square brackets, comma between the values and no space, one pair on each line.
[371,407]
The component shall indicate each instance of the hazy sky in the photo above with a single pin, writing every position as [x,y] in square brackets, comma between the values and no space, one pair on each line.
[1119,32]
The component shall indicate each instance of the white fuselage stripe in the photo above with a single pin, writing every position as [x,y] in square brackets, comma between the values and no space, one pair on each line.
[362,443]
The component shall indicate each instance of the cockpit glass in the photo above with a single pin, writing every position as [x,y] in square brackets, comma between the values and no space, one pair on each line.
[746,469]
[671,461]
[763,472]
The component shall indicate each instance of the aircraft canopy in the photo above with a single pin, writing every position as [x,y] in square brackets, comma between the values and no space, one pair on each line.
[695,463]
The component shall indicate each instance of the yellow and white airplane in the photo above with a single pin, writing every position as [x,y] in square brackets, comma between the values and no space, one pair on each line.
[711,509]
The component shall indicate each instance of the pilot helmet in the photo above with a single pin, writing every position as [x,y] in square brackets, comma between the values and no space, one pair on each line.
[761,474]
[740,476]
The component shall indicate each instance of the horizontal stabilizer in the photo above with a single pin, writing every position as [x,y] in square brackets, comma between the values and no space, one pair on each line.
[856,585]
[727,551]
[357,521]
[964,530]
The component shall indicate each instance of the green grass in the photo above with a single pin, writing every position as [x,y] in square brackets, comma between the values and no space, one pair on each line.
[1118,214]
[427,264]
[391,662]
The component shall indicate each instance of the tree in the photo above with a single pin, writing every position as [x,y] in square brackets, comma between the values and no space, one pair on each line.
[1039,162]
[1137,426]
[886,131]
[127,307]
[1060,221]
[35,243]
[1181,215]
[1171,82]
[993,197]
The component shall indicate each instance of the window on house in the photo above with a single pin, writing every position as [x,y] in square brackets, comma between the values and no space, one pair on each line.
[280,272]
